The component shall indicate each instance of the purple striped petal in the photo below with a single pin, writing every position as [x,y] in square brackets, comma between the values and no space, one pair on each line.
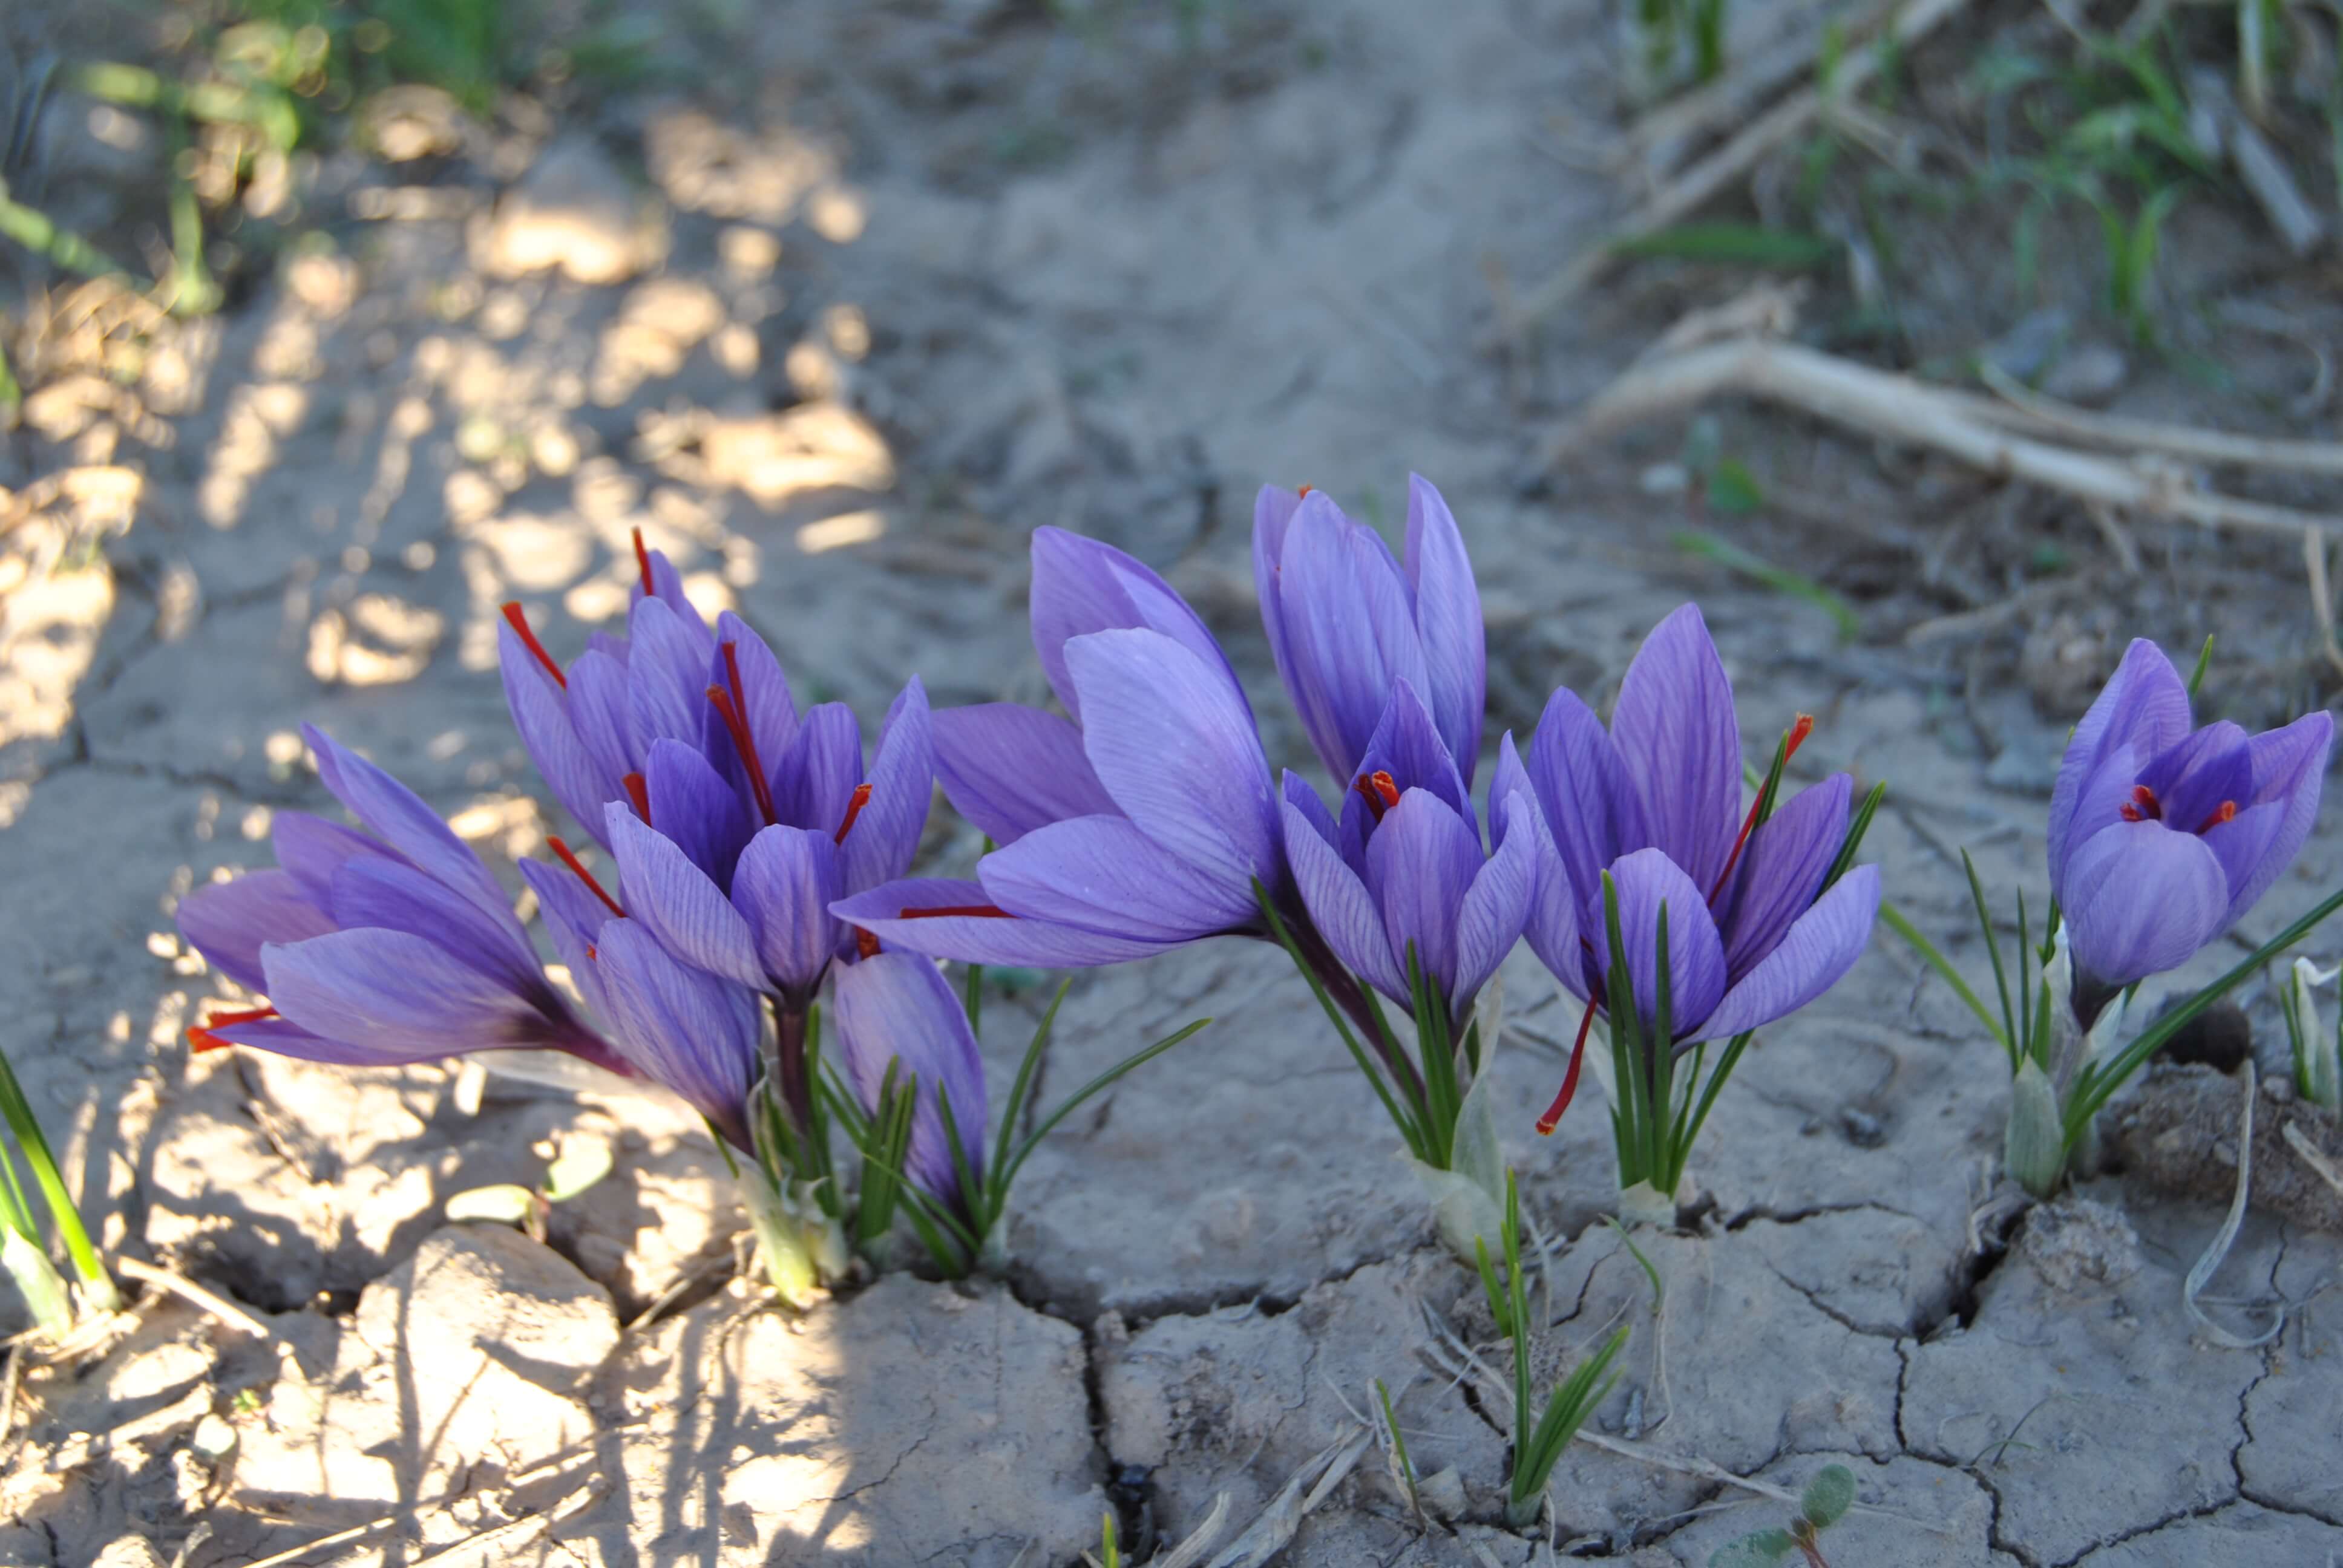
[694,806]
[980,939]
[286,1038]
[813,783]
[2144,705]
[1551,923]
[674,901]
[788,877]
[574,917]
[1272,513]
[683,1027]
[1497,905]
[1408,744]
[1647,880]
[374,892]
[2098,802]
[1681,744]
[2193,778]
[2289,769]
[540,712]
[886,832]
[1081,587]
[1339,906]
[1448,621]
[399,815]
[772,712]
[2140,899]
[666,585]
[1008,769]
[1590,804]
[1179,756]
[394,993]
[895,1007]
[230,922]
[1103,874]
[1350,628]
[1821,946]
[311,849]
[598,709]
[667,676]
[1419,863]
[1782,871]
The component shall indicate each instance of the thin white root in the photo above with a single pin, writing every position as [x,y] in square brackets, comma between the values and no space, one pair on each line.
[194,1295]
[2218,1252]
[2296,1138]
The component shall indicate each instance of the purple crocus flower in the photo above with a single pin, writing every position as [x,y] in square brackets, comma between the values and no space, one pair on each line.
[1140,824]
[377,948]
[1347,622]
[1403,871]
[2163,834]
[1654,802]
[893,1007]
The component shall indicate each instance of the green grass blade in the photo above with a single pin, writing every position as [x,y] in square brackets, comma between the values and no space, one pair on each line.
[96,1284]
[1781,579]
[1014,1111]
[1049,1123]
[1411,1129]
[1857,827]
[1936,960]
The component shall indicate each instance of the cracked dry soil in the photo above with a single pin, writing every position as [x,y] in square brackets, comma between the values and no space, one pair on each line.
[836,353]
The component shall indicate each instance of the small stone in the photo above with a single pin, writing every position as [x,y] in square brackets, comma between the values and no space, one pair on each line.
[214,1438]
[2091,375]
[2079,1245]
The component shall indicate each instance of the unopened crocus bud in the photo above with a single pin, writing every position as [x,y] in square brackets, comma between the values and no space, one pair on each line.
[2318,1071]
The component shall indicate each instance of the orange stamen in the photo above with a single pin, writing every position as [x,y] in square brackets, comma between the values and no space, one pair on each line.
[1802,727]
[584,875]
[519,623]
[639,793]
[853,809]
[866,943]
[1303,492]
[983,912]
[741,742]
[1546,1123]
[2145,806]
[1378,791]
[2227,812]
[643,561]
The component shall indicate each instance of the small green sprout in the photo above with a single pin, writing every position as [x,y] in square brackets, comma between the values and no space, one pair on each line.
[1827,1499]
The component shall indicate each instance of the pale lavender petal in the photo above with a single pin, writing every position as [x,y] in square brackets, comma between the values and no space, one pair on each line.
[1821,946]
[895,1007]
[1590,804]
[886,832]
[1647,880]
[1680,742]
[229,923]
[813,782]
[383,893]
[1081,586]
[683,1027]
[2140,899]
[1408,744]
[1350,626]
[998,939]
[597,709]
[399,817]
[1341,907]
[1497,906]
[1448,621]
[1781,870]
[788,877]
[1550,924]
[1103,874]
[2144,705]
[771,711]
[2289,769]
[1420,862]
[674,899]
[574,917]
[1178,755]
[1008,769]
[286,1038]
[695,806]
[2097,801]
[540,712]
[311,849]
[2192,780]
[666,678]
[1272,512]
[395,993]
[1299,797]
[667,584]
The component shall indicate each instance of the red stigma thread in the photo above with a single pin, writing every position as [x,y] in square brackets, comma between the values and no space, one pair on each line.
[1303,492]
[643,561]
[730,708]
[866,943]
[639,793]
[593,955]
[2227,812]
[584,875]
[981,911]
[1800,727]
[519,623]
[2144,807]
[201,1038]
[1378,791]
[1546,1123]
[853,809]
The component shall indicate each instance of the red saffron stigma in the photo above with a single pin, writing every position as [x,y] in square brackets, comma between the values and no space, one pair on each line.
[639,793]
[2144,807]
[584,875]
[738,726]
[519,623]
[1553,1117]
[201,1038]
[2227,812]
[1303,492]
[853,809]
[1800,727]
[983,912]
[1378,791]
[866,943]
[643,561]
[592,954]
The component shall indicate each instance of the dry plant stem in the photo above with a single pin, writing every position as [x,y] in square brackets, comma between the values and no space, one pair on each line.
[194,1295]
[2260,168]
[2031,411]
[1879,402]
[1660,140]
[1733,162]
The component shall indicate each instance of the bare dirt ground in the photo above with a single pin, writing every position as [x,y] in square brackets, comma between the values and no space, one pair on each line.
[874,293]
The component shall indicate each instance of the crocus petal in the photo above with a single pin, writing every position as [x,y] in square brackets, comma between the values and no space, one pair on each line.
[1419,863]
[575,918]
[311,849]
[1681,744]
[1272,512]
[2144,705]
[813,783]
[1339,906]
[1008,769]
[1550,924]
[2097,802]
[1820,945]
[1105,874]
[667,586]
[677,902]
[597,709]
[771,711]
[230,922]
[683,1027]
[286,1038]
[2193,778]
[788,877]
[2140,899]
[886,831]
[2289,768]
[540,712]
[694,806]
[377,893]
[399,815]
[1647,880]
[896,1007]
[1081,587]
[1299,797]
[396,993]
[1408,744]
[1781,870]
[667,676]
[1350,628]
[1447,621]
[1495,908]
[1590,804]
[895,914]
[1177,754]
